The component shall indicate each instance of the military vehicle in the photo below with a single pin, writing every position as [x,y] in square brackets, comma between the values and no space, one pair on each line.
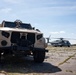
[60,42]
[17,38]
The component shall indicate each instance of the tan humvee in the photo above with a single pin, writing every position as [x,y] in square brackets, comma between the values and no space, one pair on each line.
[21,38]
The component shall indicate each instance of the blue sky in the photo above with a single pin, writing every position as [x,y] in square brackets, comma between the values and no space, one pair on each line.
[53,17]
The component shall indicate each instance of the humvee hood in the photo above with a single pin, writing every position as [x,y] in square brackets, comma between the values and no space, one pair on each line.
[19,30]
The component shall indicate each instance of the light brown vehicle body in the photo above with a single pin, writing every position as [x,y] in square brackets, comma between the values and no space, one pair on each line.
[20,38]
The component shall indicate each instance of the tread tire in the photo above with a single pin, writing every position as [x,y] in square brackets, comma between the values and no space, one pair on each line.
[39,56]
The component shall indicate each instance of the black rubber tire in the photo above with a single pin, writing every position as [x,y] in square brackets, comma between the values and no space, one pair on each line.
[39,56]
[61,45]
[0,56]
[68,45]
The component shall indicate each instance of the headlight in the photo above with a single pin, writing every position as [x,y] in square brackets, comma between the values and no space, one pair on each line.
[3,42]
[5,34]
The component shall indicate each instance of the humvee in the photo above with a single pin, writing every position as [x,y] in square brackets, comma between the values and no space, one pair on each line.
[17,38]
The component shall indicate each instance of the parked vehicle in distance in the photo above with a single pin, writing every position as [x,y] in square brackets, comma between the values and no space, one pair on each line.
[60,43]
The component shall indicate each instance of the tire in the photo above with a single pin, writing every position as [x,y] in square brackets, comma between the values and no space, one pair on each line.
[39,56]
[68,45]
[0,56]
[61,45]
[55,46]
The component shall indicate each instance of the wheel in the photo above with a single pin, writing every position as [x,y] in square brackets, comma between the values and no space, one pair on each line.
[0,56]
[55,46]
[39,56]
[61,45]
[68,45]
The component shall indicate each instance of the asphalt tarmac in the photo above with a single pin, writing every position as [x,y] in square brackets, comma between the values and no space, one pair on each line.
[58,61]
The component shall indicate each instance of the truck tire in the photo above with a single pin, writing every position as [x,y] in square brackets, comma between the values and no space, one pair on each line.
[0,56]
[39,56]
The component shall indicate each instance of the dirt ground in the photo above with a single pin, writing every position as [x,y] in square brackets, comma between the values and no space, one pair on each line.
[58,61]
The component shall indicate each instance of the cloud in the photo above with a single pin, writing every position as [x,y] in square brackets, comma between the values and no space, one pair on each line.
[60,32]
[12,1]
[51,7]
[5,10]
[73,33]
[44,7]
[50,11]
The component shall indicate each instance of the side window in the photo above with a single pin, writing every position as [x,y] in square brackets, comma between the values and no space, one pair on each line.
[39,36]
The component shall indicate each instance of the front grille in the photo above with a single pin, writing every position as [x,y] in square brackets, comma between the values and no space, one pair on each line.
[20,40]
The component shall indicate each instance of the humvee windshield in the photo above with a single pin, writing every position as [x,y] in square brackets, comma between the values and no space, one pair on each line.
[21,25]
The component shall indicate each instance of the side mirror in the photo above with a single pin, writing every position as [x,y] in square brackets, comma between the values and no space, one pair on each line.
[33,28]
